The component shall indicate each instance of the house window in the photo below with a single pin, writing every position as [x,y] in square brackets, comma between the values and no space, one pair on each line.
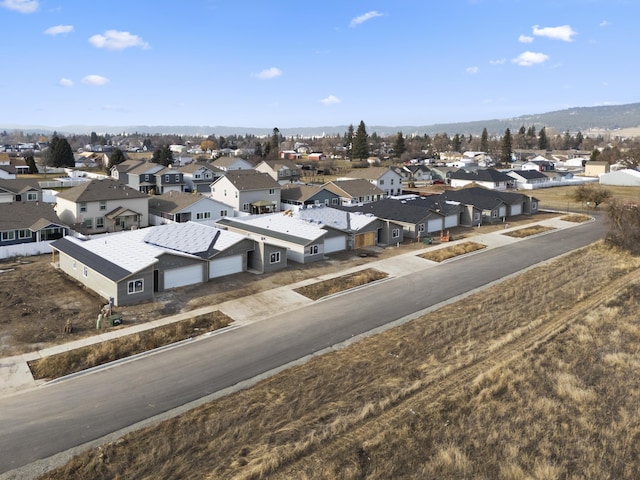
[334,201]
[326,202]
[74,264]
[313,249]
[8,235]
[99,222]
[534,205]
[176,177]
[421,227]
[166,179]
[196,176]
[494,214]
[135,286]
[32,196]
[223,213]
[381,182]
[392,181]
[85,271]
[274,257]
[203,215]
[83,207]
[236,195]
[245,207]
[225,192]
[208,175]
[103,205]
[272,191]
[395,233]
[88,222]
[24,233]
[146,177]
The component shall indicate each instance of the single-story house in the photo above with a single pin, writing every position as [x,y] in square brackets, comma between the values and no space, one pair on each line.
[29,222]
[525,178]
[295,196]
[128,267]
[180,207]
[488,178]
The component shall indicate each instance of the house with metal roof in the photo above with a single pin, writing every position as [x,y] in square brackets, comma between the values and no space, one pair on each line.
[129,267]
[355,191]
[180,207]
[303,240]
[103,205]
[247,192]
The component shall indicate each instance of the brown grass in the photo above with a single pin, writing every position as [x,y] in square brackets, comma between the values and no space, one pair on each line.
[318,290]
[528,231]
[534,378]
[79,359]
[576,218]
[445,253]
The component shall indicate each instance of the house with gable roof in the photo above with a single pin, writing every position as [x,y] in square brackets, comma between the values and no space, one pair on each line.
[283,171]
[247,192]
[387,179]
[20,190]
[355,191]
[103,205]
[181,207]
[227,163]
[528,178]
[484,205]
[128,267]
[168,179]
[488,178]
[295,196]
[143,177]
[198,176]
[121,171]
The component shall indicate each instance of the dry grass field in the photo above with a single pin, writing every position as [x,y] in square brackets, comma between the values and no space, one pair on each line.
[535,377]
[528,231]
[318,290]
[445,253]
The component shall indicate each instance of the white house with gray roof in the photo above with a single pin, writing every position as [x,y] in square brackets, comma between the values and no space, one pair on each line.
[247,192]
[180,207]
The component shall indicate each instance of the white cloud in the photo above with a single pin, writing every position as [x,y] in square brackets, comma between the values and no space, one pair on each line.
[365,17]
[22,6]
[58,30]
[116,40]
[605,23]
[96,80]
[331,100]
[500,61]
[65,82]
[564,32]
[525,39]
[527,59]
[269,73]
[472,70]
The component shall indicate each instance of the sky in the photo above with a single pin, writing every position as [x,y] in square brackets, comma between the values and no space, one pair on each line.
[309,63]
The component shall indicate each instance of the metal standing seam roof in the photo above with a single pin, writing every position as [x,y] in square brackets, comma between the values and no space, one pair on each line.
[192,238]
[277,225]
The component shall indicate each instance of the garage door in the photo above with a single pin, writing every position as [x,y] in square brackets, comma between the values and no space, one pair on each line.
[434,225]
[516,209]
[450,221]
[367,239]
[335,244]
[225,266]
[179,277]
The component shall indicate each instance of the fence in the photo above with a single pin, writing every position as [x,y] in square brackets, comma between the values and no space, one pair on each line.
[25,250]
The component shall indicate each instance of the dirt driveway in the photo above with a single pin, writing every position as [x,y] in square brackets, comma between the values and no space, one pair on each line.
[36,300]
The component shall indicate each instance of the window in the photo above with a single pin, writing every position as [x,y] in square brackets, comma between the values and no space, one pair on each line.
[74,264]
[223,213]
[236,195]
[225,192]
[176,177]
[9,235]
[88,222]
[24,233]
[421,227]
[272,191]
[32,196]
[274,257]
[381,182]
[135,286]
[85,271]
[245,207]
[534,205]
[99,222]
[83,207]
[313,249]
[166,179]
[103,205]
[334,201]
[326,202]
[203,215]
[395,233]
[392,181]
[494,214]
[196,176]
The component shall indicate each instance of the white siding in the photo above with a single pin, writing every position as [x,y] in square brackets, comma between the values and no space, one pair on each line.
[225,266]
[179,277]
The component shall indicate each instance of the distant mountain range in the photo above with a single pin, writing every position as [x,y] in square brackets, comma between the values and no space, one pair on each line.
[584,119]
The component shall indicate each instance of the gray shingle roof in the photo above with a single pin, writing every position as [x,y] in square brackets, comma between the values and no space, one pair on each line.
[98,190]
[19,185]
[245,180]
[23,215]
[173,202]
[358,187]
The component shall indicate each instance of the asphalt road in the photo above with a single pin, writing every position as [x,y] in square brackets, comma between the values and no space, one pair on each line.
[40,423]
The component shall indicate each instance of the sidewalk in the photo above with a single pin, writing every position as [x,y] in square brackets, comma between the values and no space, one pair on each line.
[16,376]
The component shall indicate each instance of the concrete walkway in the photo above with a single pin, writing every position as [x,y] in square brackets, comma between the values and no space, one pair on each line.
[15,375]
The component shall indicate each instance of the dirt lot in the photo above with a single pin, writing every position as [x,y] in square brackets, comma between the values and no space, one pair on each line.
[36,300]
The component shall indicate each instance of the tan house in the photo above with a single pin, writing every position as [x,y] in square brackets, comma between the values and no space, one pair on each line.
[595,169]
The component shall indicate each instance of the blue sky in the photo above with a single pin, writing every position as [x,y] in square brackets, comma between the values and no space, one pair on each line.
[295,63]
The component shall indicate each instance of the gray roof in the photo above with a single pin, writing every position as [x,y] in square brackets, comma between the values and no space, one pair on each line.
[195,166]
[278,226]
[371,173]
[482,175]
[173,202]
[245,180]
[299,192]
[99,190]
[19,185]
[357,187]
[31,215]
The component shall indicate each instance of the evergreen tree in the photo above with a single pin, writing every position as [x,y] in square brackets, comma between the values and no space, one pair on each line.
[116,158]
[61,153]
[507,148]
[163,156]
[360,149]
[348,140]
[484,141]
[399,146]
[577,141]
[31,163]
[456,143]
[275,142]
[543,141]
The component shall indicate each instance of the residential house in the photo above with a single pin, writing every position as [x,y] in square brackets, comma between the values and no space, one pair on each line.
[488,178]
[316,156]
[8,172]
[295,196]
[417,173]
[121,171]
[282,171]
[143,177]
[168,180]
[442,174]
[198,176]
[528,178]
[484,205]
[21,166]
[103,205]
[303,241]
[289,155]
[345,230]
[539,163]
[247,191]
[29,222]
[386,179]
[181,207]
[228,164]
[19,190]
[595,168]
[128,267]
[355,191]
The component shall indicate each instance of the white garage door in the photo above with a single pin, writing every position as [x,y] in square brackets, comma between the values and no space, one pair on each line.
[516,209]
[225,266]
[179,277]
[335,244]
[450,221]
[502,211]
[434,225]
